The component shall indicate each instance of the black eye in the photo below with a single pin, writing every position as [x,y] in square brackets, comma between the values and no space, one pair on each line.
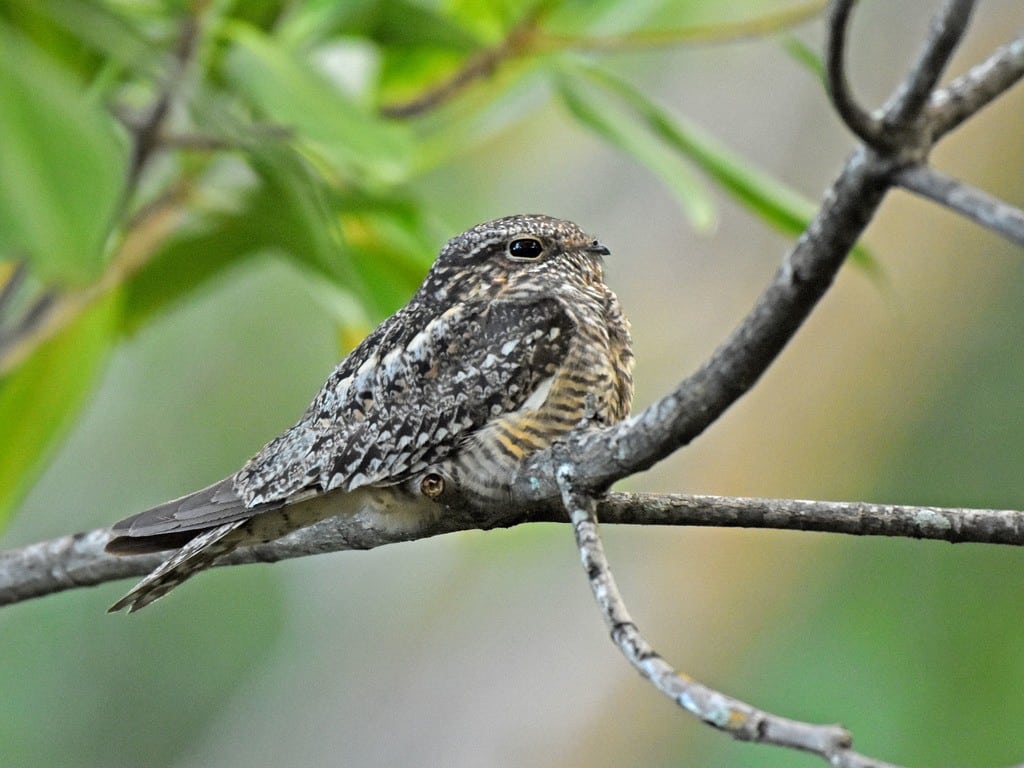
[525,248]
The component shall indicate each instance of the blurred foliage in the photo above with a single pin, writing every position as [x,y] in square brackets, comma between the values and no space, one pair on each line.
[148,147]
[119,708]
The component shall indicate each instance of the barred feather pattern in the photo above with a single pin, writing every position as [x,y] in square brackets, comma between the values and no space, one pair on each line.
[512,340]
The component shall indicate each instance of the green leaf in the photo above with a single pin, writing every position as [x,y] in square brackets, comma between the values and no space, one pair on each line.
[384,22]
[100,29]
[61,166]
[280,213]
[592,108]
[406,24]
[407,73]
[804,55]
[774,202]
[289,91]
[488,21]
[391,251]
[40,400]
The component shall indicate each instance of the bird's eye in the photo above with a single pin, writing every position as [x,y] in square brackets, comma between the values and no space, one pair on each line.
[525,248]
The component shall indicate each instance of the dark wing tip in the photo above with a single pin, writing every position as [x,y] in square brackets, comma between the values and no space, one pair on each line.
[144,545]
[174,523]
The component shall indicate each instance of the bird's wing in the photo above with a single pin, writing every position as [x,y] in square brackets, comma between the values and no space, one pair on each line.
[171,524]
[400,402]
[408,403]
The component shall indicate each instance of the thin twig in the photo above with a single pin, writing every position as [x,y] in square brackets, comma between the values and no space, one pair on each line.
[967,94]
[479,66]
[31,319]
[864,125]
[147,131]
[527,38]
[12,279]
[947,29]
[977,205]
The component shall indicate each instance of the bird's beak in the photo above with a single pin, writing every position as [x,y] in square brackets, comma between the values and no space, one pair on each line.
[598,249]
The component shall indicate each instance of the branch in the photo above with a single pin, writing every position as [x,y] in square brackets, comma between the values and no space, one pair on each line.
[865,126]
[945,33]
[78,560]
[969,93]
[479,66]
[738,719]
[978,206]
[898,126]
[146,132]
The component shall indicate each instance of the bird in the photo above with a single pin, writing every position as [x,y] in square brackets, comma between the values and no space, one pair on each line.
[512,340]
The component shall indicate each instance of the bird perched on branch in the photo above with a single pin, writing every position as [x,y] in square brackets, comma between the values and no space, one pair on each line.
[512,340]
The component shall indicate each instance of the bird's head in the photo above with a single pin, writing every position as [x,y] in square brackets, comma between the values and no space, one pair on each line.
[516,255]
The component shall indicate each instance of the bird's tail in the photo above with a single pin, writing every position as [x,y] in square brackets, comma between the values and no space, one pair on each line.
[197,554]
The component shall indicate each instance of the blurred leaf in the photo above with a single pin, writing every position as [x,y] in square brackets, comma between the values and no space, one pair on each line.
[95,25]
[804,55]
[390,251]
[596,111]
[168,672]
[406,73]
[488,21]
[774,202]
[60,163]
[41,398]
[279,213]
[384,22]
[405,24]
[290,92]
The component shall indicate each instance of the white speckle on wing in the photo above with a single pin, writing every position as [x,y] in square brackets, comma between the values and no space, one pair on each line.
[365,372]
[540,394]
[393,361]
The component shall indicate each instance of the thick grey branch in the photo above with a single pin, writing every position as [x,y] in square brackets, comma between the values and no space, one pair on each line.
[76,561]
[980,207]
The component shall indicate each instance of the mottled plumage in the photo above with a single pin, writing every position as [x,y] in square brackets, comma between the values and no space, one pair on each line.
[512,340]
